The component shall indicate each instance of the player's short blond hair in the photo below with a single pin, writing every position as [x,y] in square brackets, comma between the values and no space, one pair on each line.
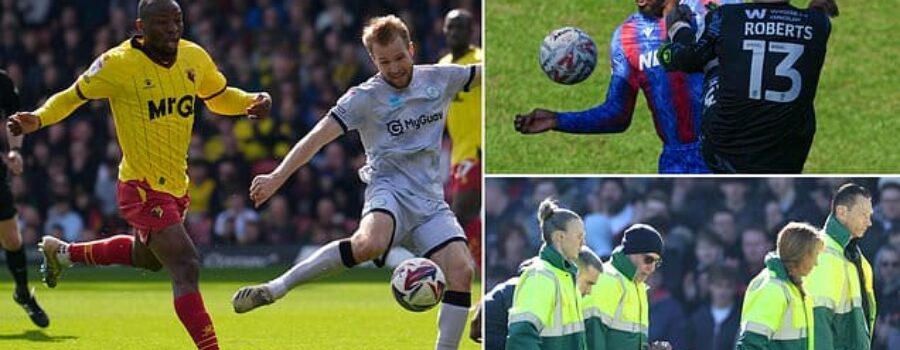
[383,30]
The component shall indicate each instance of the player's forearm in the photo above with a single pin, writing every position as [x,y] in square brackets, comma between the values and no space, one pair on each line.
[613,116]
[682,57]
[230,102]
[59,106]
[687,55]
[325,131]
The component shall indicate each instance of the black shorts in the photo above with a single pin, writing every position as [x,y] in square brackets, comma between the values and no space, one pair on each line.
[7,204]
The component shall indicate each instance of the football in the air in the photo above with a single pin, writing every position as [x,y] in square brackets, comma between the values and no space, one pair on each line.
[418,284]
[568,55]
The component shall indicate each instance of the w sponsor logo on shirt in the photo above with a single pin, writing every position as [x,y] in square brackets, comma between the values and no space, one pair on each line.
[755,13]
[397,127]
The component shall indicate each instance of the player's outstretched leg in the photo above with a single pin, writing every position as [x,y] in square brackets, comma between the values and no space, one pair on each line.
[456,262]
[15,261]
[176,252]
[368,242]
[59,255]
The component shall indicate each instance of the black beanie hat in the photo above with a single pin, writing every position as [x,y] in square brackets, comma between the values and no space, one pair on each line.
[641,238]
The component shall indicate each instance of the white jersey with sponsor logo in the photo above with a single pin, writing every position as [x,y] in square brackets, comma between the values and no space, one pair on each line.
[401,129]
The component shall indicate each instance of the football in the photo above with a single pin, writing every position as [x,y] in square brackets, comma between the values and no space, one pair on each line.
[568,55]
[418,284]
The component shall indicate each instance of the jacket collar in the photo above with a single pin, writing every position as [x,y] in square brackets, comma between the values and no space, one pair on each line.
[550,255]
[776,266]
[623,264]
[837,231]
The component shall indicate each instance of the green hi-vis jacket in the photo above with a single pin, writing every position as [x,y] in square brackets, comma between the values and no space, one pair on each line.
[546,311]
[775,315]
[616,310]
[834,286]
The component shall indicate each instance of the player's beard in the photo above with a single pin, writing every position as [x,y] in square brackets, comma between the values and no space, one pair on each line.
[402,80]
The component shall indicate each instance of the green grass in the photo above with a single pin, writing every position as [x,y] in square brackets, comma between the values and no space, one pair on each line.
[857,95]
[117,308]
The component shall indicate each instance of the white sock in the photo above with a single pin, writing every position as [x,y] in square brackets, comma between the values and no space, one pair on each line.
[324,262]
[451,323]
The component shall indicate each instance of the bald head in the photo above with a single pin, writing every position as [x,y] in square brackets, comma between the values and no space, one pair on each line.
[458,30]
[148,8]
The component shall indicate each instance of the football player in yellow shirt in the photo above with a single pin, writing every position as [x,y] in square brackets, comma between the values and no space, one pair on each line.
[152,82]
[464,127]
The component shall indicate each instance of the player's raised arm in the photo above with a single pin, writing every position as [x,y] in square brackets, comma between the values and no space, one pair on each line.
[611,116]
[57,108]
[230,101]
[98,82]
[264,186]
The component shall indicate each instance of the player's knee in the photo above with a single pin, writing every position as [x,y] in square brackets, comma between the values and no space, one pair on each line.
[152,264]
[186,271]
[373,237]
[366,247]
[11,241]
[9,236]
[460,272]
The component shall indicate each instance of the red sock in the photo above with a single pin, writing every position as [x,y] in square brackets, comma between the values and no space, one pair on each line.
[113,250]
[193,316]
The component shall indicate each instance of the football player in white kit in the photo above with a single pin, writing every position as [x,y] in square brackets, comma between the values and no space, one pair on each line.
[400,115]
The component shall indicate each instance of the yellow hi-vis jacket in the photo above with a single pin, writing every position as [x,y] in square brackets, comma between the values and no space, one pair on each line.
[839,287]
[616,311]
[546,311]
[775,314]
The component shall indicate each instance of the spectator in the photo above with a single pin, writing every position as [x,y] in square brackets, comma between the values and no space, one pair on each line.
[231,223]
[63,220]
[611,214]
[885,220]
[722,224]
[666,314]
[714,325]
[708,253]
[735,198]
[277,222]
[755,244]
[887,292]
[794,205]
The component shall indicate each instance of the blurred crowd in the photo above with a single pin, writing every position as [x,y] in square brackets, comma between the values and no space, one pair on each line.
[716,231]
[304,53]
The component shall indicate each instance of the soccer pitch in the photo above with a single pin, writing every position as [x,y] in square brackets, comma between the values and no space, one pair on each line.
[119,308]
[855,103]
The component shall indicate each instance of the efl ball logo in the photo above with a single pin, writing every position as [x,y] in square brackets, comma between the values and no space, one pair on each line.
[568,55]
[418,284]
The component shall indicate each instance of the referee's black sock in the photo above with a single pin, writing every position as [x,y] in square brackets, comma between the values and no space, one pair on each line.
[15,261]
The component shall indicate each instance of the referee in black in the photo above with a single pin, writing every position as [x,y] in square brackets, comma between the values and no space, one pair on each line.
[762,62]
[10,238]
